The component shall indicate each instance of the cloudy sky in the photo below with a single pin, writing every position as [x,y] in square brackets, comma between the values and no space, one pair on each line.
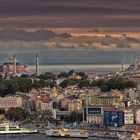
[70,13]
[39,24]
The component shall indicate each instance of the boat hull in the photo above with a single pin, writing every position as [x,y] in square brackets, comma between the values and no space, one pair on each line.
[71,134]
[13,132]
[67,136]
[102,137]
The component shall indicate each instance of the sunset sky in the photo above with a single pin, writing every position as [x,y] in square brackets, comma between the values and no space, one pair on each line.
[26,23]
[107,14]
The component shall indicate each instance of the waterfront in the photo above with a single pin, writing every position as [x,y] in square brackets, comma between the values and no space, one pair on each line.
[69,69]
[91,68]
[35,137]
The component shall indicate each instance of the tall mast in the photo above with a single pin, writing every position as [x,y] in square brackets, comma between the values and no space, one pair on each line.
[122,61]
[37,65]
[135,64]
[15,66]
[138,60]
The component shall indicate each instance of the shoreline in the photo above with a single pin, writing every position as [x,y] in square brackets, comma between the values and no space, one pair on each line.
[92,68]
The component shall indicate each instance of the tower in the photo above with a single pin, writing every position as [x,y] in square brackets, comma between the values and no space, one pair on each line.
[37,65]
[122,61]
[138,60]
[136,64]
[15,66]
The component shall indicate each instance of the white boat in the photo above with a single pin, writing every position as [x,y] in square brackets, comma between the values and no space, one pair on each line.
[135,137]
[122,136]
[67,133]
[11,128]
[106,135]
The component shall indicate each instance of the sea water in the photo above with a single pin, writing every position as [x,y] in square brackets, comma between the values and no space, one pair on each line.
[37,137]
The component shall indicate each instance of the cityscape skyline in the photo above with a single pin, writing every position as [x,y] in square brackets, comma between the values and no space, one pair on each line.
[70,69]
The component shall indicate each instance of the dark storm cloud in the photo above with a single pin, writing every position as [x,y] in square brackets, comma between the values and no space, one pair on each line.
[51,9]
[70,13]
[22,35]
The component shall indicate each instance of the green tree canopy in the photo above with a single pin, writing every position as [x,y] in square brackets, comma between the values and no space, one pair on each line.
[2,111]
[47,75]
[63,74]
[16,114]
[82,74]
[84,83]
[64,84]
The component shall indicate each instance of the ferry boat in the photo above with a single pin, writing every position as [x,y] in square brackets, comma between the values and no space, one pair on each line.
[135,136]
[108,135]
[104,135]
[11,128]
[73,133]
[70,133]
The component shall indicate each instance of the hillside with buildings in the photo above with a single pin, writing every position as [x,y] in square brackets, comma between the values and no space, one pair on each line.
[56,97]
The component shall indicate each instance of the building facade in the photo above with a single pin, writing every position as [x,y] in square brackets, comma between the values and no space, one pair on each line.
[75,105]
[8,102]
[93,114]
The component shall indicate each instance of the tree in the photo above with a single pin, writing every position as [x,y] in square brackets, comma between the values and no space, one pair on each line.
[2,89]
[64,84]
[101,82]
[39,84]
[16,114]
[114,83]
[104,88]
[36,84]
[84,83]
[128,84]
[1,76]
[47,75]
[43,83]
[72,81]
[25,84]
[82,74]
[2,111]
[44,115]
[11,86]
[25,76]
[68,82]
[93,83]
[53,84]
[63,74]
